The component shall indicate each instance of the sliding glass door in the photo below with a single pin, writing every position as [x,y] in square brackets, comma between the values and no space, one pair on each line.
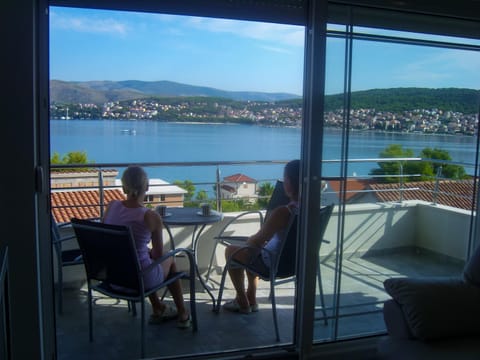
[399,161]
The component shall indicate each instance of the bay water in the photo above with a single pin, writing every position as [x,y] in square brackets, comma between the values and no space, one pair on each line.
[120,141]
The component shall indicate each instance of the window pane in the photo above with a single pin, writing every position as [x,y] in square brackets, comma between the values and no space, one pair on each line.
[156,89]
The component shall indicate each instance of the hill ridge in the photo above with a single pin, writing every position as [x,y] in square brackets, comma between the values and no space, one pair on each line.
[98,92]
[390,99]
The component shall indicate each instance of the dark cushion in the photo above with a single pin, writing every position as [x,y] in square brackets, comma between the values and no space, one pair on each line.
[437,307]
[397,326]
[471,272]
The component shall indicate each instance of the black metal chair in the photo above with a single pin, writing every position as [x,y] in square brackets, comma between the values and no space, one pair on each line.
[113,269]
[278,198]
[283,266]
[64,257]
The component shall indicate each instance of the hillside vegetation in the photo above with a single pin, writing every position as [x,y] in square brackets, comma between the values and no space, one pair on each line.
[466,101]
[394,100]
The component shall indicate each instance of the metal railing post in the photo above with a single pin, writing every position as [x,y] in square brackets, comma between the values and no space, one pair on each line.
[437,185]
[217,190]
[401,183]
[100,192]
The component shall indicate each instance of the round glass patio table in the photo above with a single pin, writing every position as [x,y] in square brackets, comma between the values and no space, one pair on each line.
[185,216]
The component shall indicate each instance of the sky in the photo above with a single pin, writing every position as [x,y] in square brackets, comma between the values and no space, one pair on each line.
[88,45]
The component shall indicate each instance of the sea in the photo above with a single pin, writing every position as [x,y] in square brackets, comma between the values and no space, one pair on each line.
[124,142]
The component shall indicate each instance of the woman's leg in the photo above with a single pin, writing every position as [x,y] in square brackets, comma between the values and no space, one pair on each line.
[237,275]
[252,288]
[175,288]
[157,305]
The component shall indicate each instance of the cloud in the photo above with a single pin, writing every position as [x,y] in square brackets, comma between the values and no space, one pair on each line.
[87,24]
[281,34]
[463,60]
[276,49]
[445,68]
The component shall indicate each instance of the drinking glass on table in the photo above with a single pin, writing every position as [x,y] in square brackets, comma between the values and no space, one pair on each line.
[162,210]
[205,209]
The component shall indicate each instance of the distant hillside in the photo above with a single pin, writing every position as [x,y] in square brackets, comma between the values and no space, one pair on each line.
[466,101]
[77,92]
[400,99]
[99,92]
[395,100]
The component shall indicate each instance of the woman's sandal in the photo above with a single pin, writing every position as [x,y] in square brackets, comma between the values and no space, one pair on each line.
[184,324]
[169,313]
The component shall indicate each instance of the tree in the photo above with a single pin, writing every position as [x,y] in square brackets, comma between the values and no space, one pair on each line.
[393,167]
[188,186]
[76,157]
[71,158]
[265,191]
[423,170]
[448,171]
[202,195]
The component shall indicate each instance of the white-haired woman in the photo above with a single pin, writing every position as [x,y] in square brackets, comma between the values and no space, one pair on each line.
[147,226]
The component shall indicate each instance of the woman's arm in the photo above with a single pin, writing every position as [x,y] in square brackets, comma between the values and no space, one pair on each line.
[153,221]
[277,221]
[106,212]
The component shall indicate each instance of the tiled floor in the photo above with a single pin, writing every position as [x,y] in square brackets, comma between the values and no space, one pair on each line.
[117,332]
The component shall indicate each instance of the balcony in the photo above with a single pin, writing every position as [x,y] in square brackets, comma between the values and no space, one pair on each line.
[377,241]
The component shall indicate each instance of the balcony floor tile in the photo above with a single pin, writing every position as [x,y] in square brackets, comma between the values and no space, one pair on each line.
[117,332]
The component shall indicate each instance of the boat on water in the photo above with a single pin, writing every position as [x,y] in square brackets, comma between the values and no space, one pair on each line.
[129,131]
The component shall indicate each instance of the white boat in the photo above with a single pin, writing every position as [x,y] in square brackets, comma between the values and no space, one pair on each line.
[129,131]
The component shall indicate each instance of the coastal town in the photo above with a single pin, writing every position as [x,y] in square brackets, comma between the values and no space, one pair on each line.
[211,110]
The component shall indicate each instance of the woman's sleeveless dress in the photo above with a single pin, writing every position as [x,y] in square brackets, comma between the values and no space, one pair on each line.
[118,214]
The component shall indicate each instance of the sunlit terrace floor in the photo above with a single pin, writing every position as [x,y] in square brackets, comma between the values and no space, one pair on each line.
[117,336]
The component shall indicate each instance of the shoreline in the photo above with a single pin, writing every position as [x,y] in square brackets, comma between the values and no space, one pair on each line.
[403,132]
[329,128]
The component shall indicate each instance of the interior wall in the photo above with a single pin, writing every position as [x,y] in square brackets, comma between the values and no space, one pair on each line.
[31,336]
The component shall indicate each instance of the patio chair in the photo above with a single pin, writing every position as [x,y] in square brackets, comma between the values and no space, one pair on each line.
[64,257]
[224,238]
[284,265]
[113,269]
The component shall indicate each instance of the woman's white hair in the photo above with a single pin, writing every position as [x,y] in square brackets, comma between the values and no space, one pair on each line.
[134,181]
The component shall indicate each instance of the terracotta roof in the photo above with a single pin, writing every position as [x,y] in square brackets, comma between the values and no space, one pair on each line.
[455,193]
[239,178]
[354,186]
[82,204]
[86,170]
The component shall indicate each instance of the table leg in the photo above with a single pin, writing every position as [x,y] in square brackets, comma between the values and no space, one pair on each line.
[195,237]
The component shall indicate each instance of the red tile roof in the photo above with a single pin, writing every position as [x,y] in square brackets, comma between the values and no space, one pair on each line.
[111,172]
[455,193]
[239,178]
[354,186]
[82,204]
